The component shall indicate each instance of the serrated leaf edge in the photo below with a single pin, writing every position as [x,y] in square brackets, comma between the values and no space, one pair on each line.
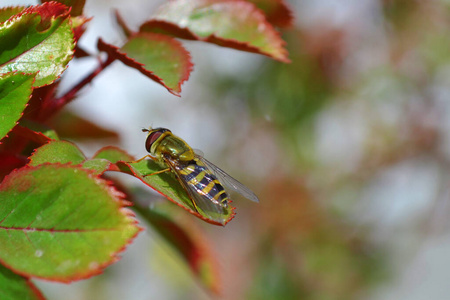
[118,198]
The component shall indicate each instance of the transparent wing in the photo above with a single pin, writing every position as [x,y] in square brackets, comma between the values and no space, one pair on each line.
[215,211]
[229,181]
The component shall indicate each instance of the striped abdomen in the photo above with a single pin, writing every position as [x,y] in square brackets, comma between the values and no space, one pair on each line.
[203,181]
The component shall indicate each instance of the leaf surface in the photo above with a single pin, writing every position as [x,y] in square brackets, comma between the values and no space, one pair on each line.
[113,154]
[73,126]
[65,152]
[39,39]
[57,152]
[167,185]
[15,287]
[159,57]
[230,23]
[63,229]
[15,91]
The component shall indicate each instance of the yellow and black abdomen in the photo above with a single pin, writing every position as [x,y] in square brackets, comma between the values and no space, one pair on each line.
[203,181]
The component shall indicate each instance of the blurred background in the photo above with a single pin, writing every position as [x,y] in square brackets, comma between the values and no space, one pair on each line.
[348,148]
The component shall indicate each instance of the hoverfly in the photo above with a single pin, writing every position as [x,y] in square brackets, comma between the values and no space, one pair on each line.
[202,180]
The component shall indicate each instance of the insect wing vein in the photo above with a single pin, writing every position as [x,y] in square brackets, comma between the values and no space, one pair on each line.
[229,181]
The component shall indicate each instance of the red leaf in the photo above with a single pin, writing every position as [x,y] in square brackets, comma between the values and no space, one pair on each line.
[48,10]
[9,162]
[76,5]
[72,126]
[235,24]
[31,135]
[277,12]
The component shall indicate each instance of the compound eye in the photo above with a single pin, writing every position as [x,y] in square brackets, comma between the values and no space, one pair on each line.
[152,137]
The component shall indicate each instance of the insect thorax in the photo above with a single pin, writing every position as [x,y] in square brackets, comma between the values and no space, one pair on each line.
[176,148]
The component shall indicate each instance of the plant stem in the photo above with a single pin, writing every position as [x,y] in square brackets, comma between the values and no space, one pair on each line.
[57,104]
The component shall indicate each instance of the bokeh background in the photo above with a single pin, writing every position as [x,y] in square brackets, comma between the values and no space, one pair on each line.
[348,148]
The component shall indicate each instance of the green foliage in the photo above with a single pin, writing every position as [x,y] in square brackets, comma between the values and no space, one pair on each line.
[13,286]
[38,41]
[15,91]
[60,218]
[53,229]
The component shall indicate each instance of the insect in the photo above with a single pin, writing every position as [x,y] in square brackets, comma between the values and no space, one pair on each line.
[202,180]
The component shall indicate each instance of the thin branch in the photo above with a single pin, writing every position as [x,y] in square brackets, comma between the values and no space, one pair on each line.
[57,104]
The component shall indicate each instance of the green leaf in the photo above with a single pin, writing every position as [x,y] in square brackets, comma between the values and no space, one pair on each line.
[8,12]
[15,287]
[230,23]
[66,152]
[159,57]
[40,39]
[167,185]
[98,165]
[61,223]
[187,240]
[113,154]
[162,55]
[15,91]
[57,152]
[164,183]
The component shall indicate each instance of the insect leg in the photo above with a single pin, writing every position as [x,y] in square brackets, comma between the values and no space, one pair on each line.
[142,158]
[157,172]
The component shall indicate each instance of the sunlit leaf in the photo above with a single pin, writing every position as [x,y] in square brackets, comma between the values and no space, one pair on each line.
[98,165]
[61,222]
[15,287]
[57,152]
[39,39]
[159,57]
[15,91]
[113,154]
[230,23]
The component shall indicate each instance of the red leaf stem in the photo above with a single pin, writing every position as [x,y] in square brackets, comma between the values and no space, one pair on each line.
[59,103]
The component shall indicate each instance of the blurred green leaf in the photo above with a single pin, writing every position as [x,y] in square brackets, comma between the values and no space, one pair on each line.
[16,287]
